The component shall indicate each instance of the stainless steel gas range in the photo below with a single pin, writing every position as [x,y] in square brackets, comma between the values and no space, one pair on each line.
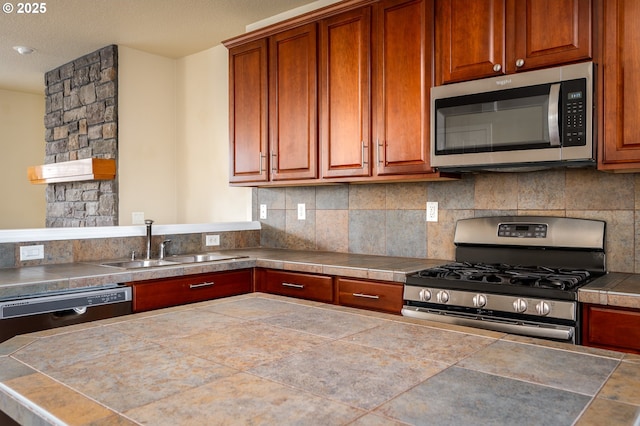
[519,275]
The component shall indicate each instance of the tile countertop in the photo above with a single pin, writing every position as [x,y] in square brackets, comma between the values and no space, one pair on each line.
[16,282]
[263,359]
[615,289]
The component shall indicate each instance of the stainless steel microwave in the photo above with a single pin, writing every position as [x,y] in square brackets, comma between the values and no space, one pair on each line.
[531,120]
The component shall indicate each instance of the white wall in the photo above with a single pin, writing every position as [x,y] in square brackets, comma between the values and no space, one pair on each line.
[22,142]
[173,144]
[204,194]
[147,168]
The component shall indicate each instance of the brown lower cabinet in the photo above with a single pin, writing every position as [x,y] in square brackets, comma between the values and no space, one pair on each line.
[612,328]
[295,284]
[164,292]
[357,293]
[377,296]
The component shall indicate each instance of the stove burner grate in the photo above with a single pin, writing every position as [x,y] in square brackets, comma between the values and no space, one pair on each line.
[529,276]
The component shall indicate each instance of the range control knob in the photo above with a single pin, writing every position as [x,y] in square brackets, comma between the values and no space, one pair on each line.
[520,305]
[442,296]
[425,295]
[543,308]
[479,300]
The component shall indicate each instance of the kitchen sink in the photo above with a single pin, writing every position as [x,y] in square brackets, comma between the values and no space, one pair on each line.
[171,260]
[205,257]
[136,264]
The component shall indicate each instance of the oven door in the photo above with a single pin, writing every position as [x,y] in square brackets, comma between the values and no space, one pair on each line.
[526,327]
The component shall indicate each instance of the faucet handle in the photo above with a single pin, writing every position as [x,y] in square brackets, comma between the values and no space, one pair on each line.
[133,255]
[163,246]
[148,221]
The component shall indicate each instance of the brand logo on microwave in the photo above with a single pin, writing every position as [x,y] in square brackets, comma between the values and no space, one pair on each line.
[503,82]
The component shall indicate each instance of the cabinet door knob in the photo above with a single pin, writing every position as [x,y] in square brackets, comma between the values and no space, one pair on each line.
[519,63]
[497,67]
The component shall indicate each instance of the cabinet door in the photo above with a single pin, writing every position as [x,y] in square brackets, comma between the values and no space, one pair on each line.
[345,42]
[164,292]
[611,328]
[620,139]
[378,296]
[248,103]
[293,104]
[403,53]
[543,33]
[470,38]
[303,286]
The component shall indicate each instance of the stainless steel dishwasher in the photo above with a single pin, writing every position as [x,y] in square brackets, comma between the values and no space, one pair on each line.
[57,309]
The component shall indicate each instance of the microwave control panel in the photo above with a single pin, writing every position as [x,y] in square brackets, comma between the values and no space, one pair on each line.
[574,112]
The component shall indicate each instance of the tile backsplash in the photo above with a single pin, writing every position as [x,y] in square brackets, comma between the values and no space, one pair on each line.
[98,249]
[390,219]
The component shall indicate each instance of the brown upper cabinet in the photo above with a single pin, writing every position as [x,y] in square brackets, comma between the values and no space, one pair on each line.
[403,57]
[345,61]
[619,144]
[337,95]
[375,73]
[484,38]
[273,116]
[293,104]
[248,90]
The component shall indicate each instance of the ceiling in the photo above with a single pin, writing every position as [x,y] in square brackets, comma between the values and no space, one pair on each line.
[72,28]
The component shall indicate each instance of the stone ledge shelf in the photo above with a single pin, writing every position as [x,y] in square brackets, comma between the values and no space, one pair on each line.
[73,171]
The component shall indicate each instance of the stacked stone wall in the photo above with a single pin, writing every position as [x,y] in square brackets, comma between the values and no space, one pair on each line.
[81,121]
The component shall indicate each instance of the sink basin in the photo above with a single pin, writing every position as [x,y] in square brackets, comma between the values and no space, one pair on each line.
[135,264]
[206,257]
[172,260]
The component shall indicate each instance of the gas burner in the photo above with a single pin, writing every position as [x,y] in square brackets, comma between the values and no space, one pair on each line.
[530,276]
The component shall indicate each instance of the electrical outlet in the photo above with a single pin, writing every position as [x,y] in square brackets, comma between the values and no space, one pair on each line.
[302,213]
[137,218]
[32,252]
[432,211]
[213,240]
[263,211]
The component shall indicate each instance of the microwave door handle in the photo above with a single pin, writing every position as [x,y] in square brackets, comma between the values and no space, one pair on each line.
[554,125]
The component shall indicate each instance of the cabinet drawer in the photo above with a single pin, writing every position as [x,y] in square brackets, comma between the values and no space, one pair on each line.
[304,286]
[385,297]
[611,328]
[160,293]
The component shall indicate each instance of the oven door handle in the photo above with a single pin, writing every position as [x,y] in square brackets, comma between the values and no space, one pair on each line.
[548,332]
[553,115]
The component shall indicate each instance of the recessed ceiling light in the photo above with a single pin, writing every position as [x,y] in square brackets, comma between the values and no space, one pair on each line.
[24,50]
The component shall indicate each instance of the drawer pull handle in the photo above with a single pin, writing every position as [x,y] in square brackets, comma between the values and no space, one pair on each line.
[207,284]
[366,296]
[300,286]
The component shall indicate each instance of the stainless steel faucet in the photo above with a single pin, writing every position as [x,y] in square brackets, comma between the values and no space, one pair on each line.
[148,222]
[163,246]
